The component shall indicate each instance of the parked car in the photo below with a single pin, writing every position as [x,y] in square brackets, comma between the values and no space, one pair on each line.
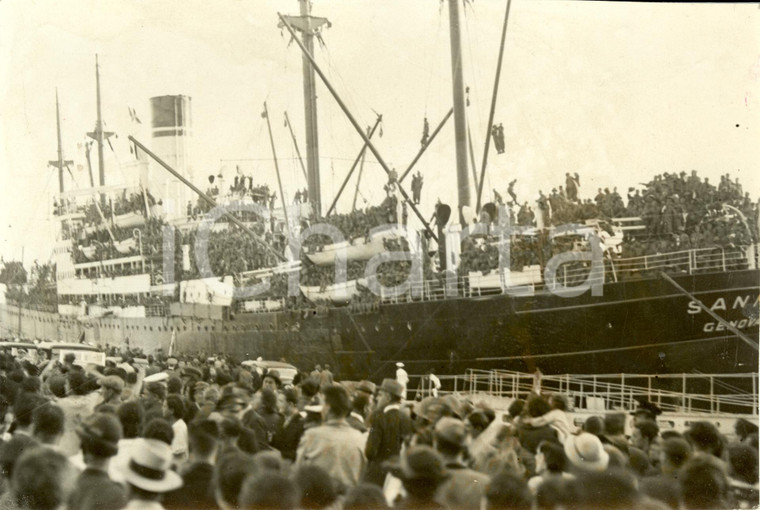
[286,371]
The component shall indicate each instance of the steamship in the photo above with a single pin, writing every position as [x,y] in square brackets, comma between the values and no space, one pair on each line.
[122,280]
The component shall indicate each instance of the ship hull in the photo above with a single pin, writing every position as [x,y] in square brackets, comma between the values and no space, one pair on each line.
[635,326]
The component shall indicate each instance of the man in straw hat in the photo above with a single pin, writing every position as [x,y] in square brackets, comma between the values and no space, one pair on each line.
[391,426]
[586,453]
[148,475]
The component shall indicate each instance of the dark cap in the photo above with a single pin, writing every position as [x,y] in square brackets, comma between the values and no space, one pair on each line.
[648,409]
[100,433]
[420,463]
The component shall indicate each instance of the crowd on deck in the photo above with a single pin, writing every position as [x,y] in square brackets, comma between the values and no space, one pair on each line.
[209,433]
[676,212]
[673,212]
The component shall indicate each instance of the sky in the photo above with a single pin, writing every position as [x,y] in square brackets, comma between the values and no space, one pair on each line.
[615,91]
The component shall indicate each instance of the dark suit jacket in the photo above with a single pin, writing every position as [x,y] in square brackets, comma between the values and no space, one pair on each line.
[96,491]
[287,438]
[197,491]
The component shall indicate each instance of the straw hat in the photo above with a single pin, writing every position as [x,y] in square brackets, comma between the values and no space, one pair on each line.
[585,451]
[149,467]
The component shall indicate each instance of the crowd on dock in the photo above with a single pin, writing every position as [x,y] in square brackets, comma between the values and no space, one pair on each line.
[211,433]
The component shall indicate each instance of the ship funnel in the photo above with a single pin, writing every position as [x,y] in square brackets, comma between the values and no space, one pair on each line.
[171,132]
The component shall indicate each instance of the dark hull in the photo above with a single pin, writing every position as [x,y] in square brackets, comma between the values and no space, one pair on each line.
[641,326]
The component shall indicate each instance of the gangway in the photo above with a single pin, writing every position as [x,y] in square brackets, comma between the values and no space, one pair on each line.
[684,398]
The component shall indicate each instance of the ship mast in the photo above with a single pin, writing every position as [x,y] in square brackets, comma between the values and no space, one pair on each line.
[99,135]
[460,122]
[309,26]
[60,162]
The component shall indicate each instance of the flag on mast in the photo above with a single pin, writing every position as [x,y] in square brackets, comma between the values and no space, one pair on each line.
[172,342]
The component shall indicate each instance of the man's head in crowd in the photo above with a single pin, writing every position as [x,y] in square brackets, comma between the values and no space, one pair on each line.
[23,410]
[610,489]
[317,488]
[155,390]
[538,406]
[42,479]
[508,491]
[390,392]
[230,471]
[99,434]
[77,383]
[365,496]
[148,473]
[160,430]
[704,437]
[675,452]
[174,386]
[270,491]
[271,381]
[337,404]
[421,471]
[550,456]
[450,438]
[643,434]
[48,423]
[614,424]
[586,453]
[594,425]
[704,483]
[131,416]
[203,439]
[744,428]
[174,408]
[287,402]
[742,463]
[516,408]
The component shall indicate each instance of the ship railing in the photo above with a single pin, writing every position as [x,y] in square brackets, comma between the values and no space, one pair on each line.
[690,393]
[695,261]
[156,311]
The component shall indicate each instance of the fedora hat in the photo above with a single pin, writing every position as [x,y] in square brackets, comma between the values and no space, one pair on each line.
[392,387]
[274,375]
[367,387]
[101,432]
[149,467]
[451,431]
[428,408]
[585,452]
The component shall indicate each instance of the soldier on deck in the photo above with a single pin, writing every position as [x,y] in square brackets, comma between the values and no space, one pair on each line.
[425,133]
[511,190]
[416,188]
[544,208]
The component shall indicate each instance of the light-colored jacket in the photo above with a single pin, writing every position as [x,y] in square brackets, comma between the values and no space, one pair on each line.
[337,448]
